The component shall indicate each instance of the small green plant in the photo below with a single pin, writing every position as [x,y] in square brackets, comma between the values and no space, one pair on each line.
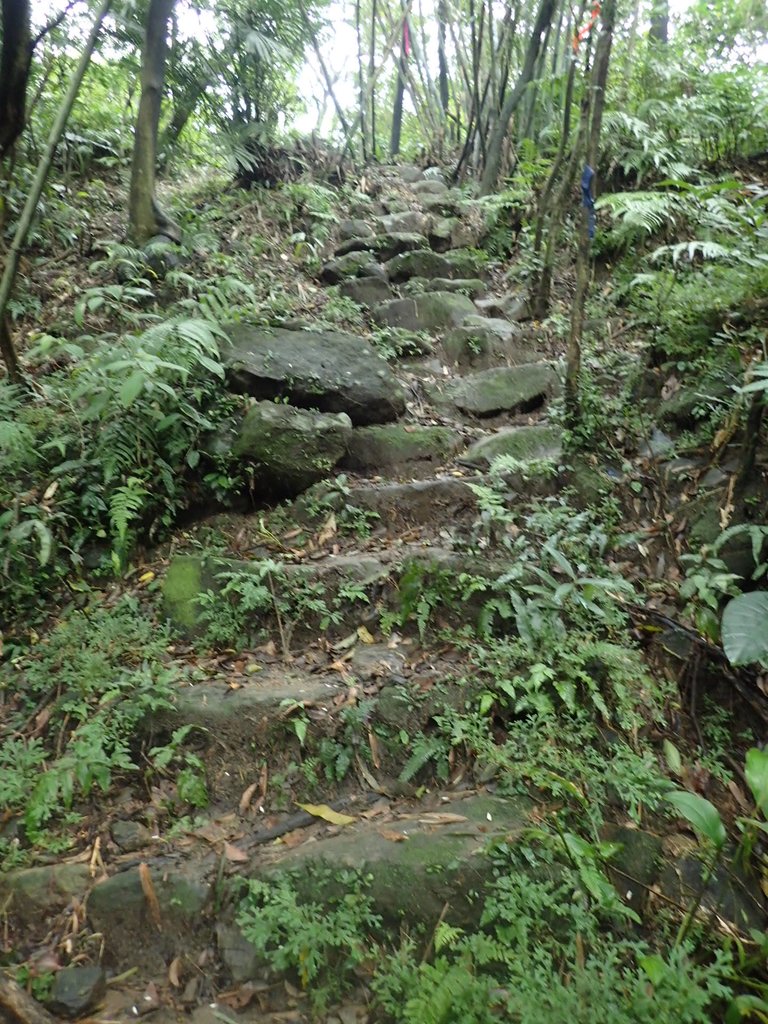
[321,942]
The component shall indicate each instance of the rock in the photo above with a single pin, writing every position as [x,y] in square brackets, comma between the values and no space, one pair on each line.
[431,311]
[76,990]
[130,835]
[393,445]
[500,389]
[420,263]
[33,893]
[438,862]
[657,444]
[441,233]
[326,370]
[540,441]
[637,861]
[408,220]
[360,205]
[366,291]
[118,908]
[471,286]
[731,894]
[480,347]
[290,449]
[355,229]
[503,329]
[239,957]
[409,173]
[385,246]
[394,204]
[466,262]
[446,204]
[354,264]
[430,187]
[419,501]
[512,306]
[162,254]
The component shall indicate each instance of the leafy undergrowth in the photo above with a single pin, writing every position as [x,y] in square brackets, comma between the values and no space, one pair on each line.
[552,677]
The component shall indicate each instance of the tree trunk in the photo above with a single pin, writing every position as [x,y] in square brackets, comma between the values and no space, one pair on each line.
[659,31]
[397,109]
[442,63]
[361,81]
[594,122]
[15,60]
[492,167]
[371,73]
[145,218]
[7,349]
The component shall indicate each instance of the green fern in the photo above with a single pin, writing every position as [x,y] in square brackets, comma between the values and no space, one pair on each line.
[126,505]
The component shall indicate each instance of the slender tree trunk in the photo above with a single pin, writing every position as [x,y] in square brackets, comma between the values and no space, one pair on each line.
[15,60]
[361,81]
[145,218]
[397,108]
[659,31]
[7,348]
[496,143]
[594,123]
[371,73]
[442,63]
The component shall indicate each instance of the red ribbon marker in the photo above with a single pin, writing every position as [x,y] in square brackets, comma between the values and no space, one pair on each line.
[584,32]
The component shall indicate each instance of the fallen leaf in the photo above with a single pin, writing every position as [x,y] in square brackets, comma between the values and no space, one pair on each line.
[392,835]
[174,972]
[327,814]
[329,529]
[365,635]
[148,888]
[146,577]
[245,799]
[234,854]
[294,838]
[373,744]
[441,819]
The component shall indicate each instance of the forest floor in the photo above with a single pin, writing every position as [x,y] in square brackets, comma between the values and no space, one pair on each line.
[460,658]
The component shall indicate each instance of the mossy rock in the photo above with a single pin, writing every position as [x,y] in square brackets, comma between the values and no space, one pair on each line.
[540,441]
[438,862]
[428,312]
[290,449]
[397,444]
[500,389]
[421,263]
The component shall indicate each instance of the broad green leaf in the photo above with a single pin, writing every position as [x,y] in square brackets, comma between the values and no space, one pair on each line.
[672,757]
[655,967]
[131,388]
[703,816]
[745,628]
[745,1006]
[756,773]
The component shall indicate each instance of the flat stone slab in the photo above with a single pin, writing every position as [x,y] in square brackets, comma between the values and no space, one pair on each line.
[367,291]
[540,441]
[328,370]
[420,263]
[480,347]
[471,286]
[419,501]
[290,449]
[440,858]
[386,245]
[395,445]
[500,389]
[354,264]
[428,312]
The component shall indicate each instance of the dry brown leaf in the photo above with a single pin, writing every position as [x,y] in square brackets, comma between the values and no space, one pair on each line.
[234,854]
[373,744]
[365,635]
[392,835]
[328,530]
[174,972]
[148,888]
[247,797]
[294,838]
